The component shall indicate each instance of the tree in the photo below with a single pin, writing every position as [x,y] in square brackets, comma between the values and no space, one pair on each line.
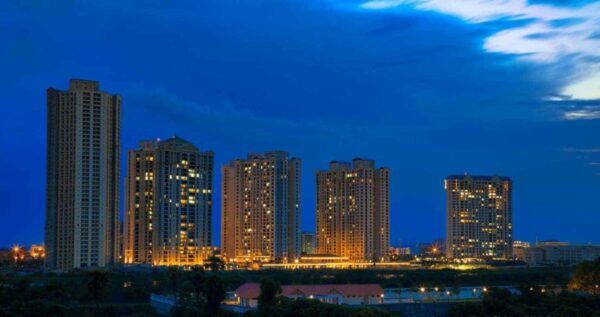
[173,273]
[97,286]
[214,294]
[3,281]
[586,277]
[214,263]
[197,281]
[267,300]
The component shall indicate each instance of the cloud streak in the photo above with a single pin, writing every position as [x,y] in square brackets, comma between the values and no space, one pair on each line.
[550,34]
[583,114]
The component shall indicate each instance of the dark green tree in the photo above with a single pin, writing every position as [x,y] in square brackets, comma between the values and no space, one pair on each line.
[197,280]
[586,277]
[173,274]
[3,282]
[267,300]
[214,294]
[214,263]
[97,286]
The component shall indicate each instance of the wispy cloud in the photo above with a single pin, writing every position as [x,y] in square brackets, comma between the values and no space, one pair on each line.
[583,114]
[550,33]
[567,108]
[582,150]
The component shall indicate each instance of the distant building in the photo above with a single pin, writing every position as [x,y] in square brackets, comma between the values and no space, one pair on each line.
[521,244]
[347,294]
[478,217]
[399,252]
[308,243]
[260,218]
[519,248]
[121,242]
[168,203]
[557,253]
[82,177]
[353,211]
[37,251]
[552,243]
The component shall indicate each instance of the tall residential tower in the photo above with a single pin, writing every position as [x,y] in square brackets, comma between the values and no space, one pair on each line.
[260,219]
[478,217]
[353,211]
[168,203]
[82,180]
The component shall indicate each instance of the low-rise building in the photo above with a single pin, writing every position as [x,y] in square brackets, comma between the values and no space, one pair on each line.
[348,294]
[521,244]
[557,253]
[395,252]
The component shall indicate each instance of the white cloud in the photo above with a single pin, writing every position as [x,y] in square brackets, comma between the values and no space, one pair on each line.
[588,88]
[552,33]
[385,4]
[582,114]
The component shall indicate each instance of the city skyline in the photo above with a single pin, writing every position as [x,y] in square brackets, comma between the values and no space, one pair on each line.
[349,79]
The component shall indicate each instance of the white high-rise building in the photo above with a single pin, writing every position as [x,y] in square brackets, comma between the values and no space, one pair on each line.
[82,189]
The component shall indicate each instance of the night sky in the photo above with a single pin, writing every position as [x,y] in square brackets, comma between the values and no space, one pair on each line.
[425,87]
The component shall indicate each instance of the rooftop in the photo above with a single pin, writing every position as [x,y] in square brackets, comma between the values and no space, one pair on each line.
[477,177]
[252,290]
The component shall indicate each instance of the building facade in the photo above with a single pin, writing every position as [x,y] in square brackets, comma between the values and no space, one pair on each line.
[340,294]
[478,217]
[261,208]
[308,243]
[82,176]
[168,203]
[557,253]
[353,211]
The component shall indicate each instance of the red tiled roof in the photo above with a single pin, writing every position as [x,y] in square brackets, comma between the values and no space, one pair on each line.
[248,290]
[252,290]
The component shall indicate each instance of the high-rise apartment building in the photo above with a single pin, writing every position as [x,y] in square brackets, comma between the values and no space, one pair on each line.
[308,242]
[168,203]
[261,208]
[353,211]
[82,177]
[478,217]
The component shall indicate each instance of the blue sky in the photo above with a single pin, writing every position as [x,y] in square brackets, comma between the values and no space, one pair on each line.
[425,87]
